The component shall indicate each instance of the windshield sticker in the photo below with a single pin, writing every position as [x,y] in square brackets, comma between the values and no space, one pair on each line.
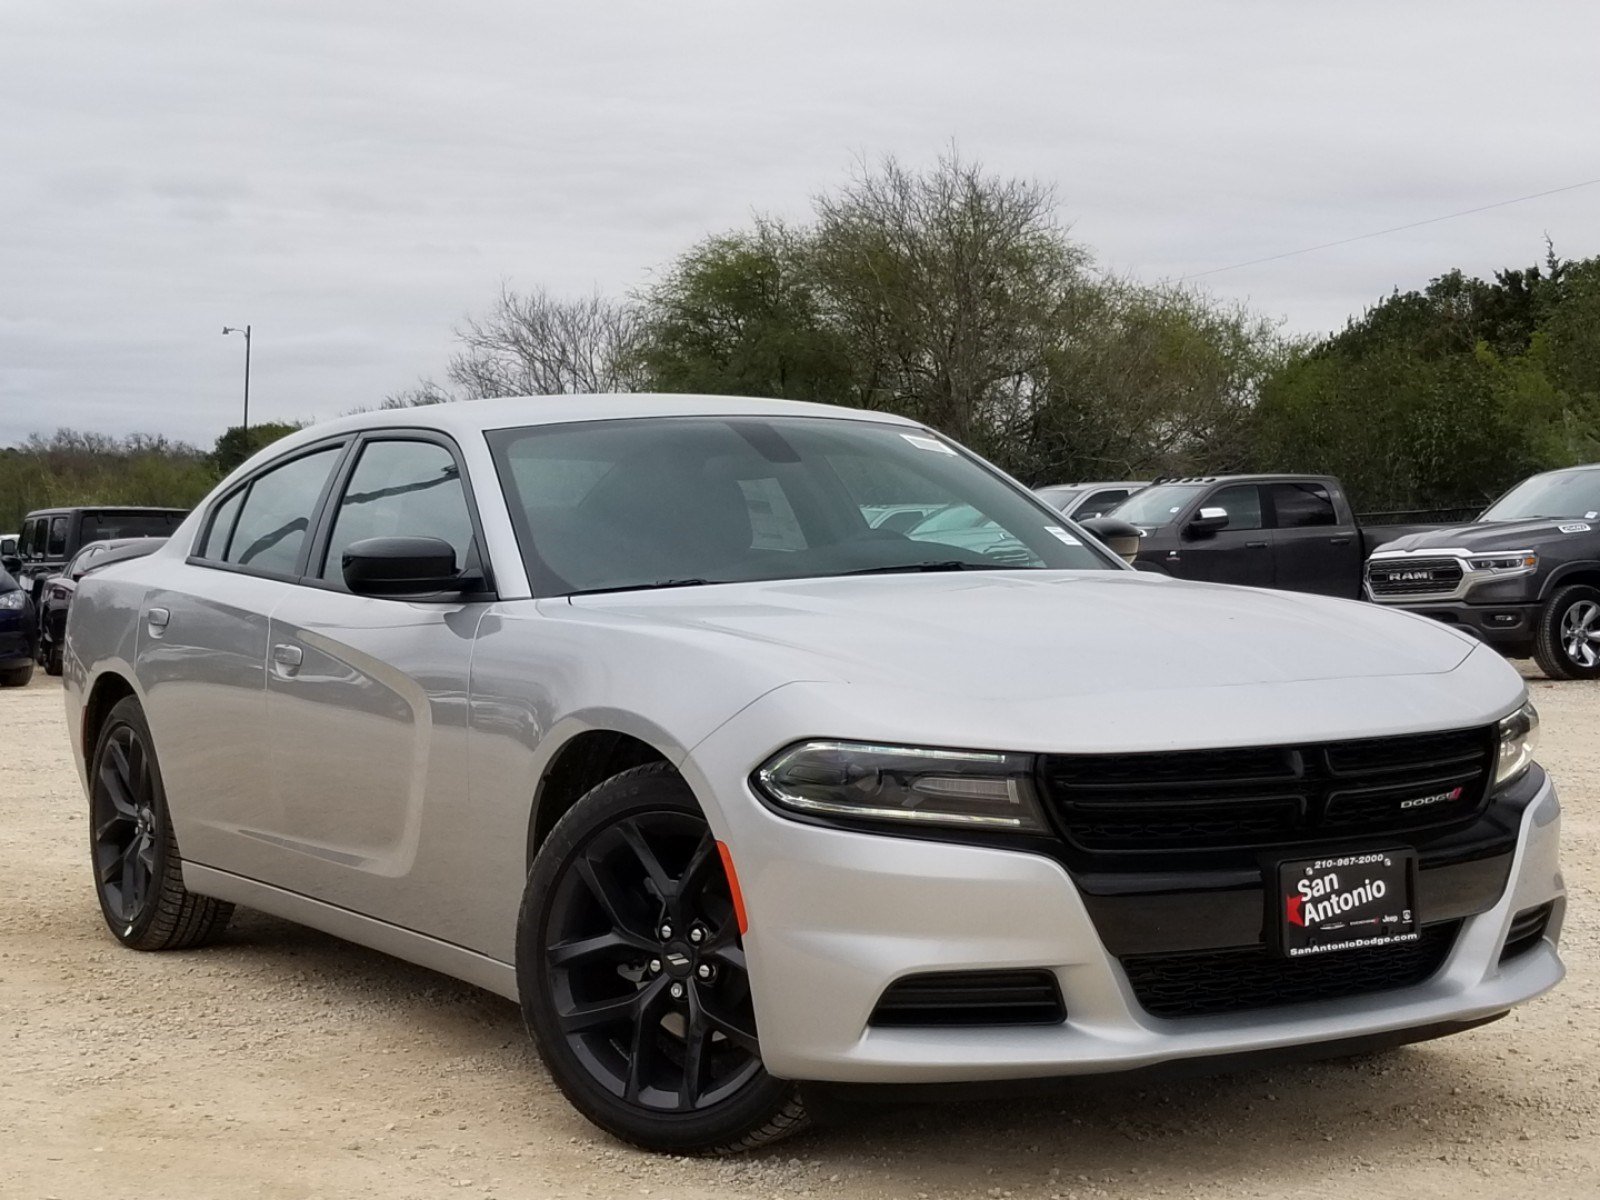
[927,443]
[1061,535]
[1575,527]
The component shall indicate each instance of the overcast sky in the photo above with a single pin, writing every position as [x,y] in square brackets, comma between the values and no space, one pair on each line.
[354,177]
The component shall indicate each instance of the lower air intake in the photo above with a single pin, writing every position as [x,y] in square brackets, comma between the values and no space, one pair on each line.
[1238,979]
[971,998]
[1527,930]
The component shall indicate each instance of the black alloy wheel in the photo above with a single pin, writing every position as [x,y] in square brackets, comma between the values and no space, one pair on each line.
[633,974]
[138,872]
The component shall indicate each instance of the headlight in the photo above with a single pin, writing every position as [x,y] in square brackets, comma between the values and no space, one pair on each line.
[14,599]
[1519,738]
[1516,560]
[949,788]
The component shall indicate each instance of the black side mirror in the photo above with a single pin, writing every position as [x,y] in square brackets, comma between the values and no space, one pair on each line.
[1208,521]
[1119,537]
[10,564]
[404,566]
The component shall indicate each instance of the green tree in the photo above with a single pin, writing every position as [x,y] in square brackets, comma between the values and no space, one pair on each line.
[239,443]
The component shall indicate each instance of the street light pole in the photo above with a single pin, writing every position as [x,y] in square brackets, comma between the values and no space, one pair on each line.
[226,329]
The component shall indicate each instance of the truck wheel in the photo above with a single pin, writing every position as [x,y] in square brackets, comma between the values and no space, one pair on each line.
[1567,641]
[632,975]
[138,872]
[53,659]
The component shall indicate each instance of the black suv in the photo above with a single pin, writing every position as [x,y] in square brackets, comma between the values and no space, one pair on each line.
[52,536]
[1524,577]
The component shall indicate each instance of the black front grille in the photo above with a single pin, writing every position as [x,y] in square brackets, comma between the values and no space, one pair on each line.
[1238,979]
[972,998]
[1527,930]
[1413,577]
[1187,800]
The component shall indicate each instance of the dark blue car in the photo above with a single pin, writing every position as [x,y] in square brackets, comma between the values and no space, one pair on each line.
[19,628]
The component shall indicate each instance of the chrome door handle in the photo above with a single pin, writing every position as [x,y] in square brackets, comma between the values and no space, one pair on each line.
[1256,545]
[1340,541]
[286,656]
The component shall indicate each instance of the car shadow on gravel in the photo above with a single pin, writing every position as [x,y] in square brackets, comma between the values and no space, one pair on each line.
[1307,1117]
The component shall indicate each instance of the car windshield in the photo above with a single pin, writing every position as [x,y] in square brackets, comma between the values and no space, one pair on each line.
[1158,505]
[679,501]
[1559,494]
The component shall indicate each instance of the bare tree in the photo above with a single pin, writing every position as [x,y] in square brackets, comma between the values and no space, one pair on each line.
[534,344]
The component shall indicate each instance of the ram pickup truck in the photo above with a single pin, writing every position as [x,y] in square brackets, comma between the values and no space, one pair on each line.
[1293,532]
[1524,577]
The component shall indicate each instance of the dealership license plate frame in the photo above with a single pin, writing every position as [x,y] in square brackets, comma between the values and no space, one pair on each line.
[1373,924]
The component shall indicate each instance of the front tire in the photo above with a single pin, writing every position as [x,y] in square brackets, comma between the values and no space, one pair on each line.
[632,975]
[1567,640]
[138,872]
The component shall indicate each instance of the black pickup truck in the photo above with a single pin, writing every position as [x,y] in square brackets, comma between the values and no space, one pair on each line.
[1295,532]
[1524,577]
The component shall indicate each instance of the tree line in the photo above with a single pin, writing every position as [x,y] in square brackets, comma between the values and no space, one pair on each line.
[959,298]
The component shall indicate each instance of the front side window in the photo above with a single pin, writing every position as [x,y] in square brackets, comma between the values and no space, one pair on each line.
[276,514]
[1242,502]
[401,489]
[57,546]
[654,501]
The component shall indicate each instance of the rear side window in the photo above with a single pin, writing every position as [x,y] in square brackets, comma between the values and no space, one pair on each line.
[1242,502]
[103,526]
[57,546]
[276,516]
[401,489]
[1301,505]
[215,543]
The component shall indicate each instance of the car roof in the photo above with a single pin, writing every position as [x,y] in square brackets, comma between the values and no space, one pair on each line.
[106,508]
[477,416]
[1267,477]
[1092,484]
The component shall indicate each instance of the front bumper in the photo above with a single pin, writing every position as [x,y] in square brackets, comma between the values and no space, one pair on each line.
[1508,627]
[16,647]
[837,917]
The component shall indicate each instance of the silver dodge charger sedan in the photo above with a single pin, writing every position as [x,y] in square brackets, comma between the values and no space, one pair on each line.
[623,708]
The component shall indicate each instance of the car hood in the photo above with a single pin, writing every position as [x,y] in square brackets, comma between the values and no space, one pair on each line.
[1019,635]
[1493,535]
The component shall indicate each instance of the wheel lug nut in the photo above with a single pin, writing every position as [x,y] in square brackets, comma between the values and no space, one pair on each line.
[655,966]
[677,991]
[666,933]
[705,972]
[697,935]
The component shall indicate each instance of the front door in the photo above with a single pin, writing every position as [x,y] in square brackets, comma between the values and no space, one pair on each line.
[367,704]
[1239,553]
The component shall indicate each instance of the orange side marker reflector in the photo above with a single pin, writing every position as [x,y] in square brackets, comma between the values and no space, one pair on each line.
[733,888]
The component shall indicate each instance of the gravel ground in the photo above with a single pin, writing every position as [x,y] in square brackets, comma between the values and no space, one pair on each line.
[284,1065]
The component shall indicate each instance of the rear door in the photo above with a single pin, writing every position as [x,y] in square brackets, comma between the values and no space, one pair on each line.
[1240,553]
[367,703]
[1313,552]
[203,654]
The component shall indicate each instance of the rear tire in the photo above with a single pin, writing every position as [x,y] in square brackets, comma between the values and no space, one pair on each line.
[1567,637]
[53,659]
[632,975]
[138,871]
[16,676]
